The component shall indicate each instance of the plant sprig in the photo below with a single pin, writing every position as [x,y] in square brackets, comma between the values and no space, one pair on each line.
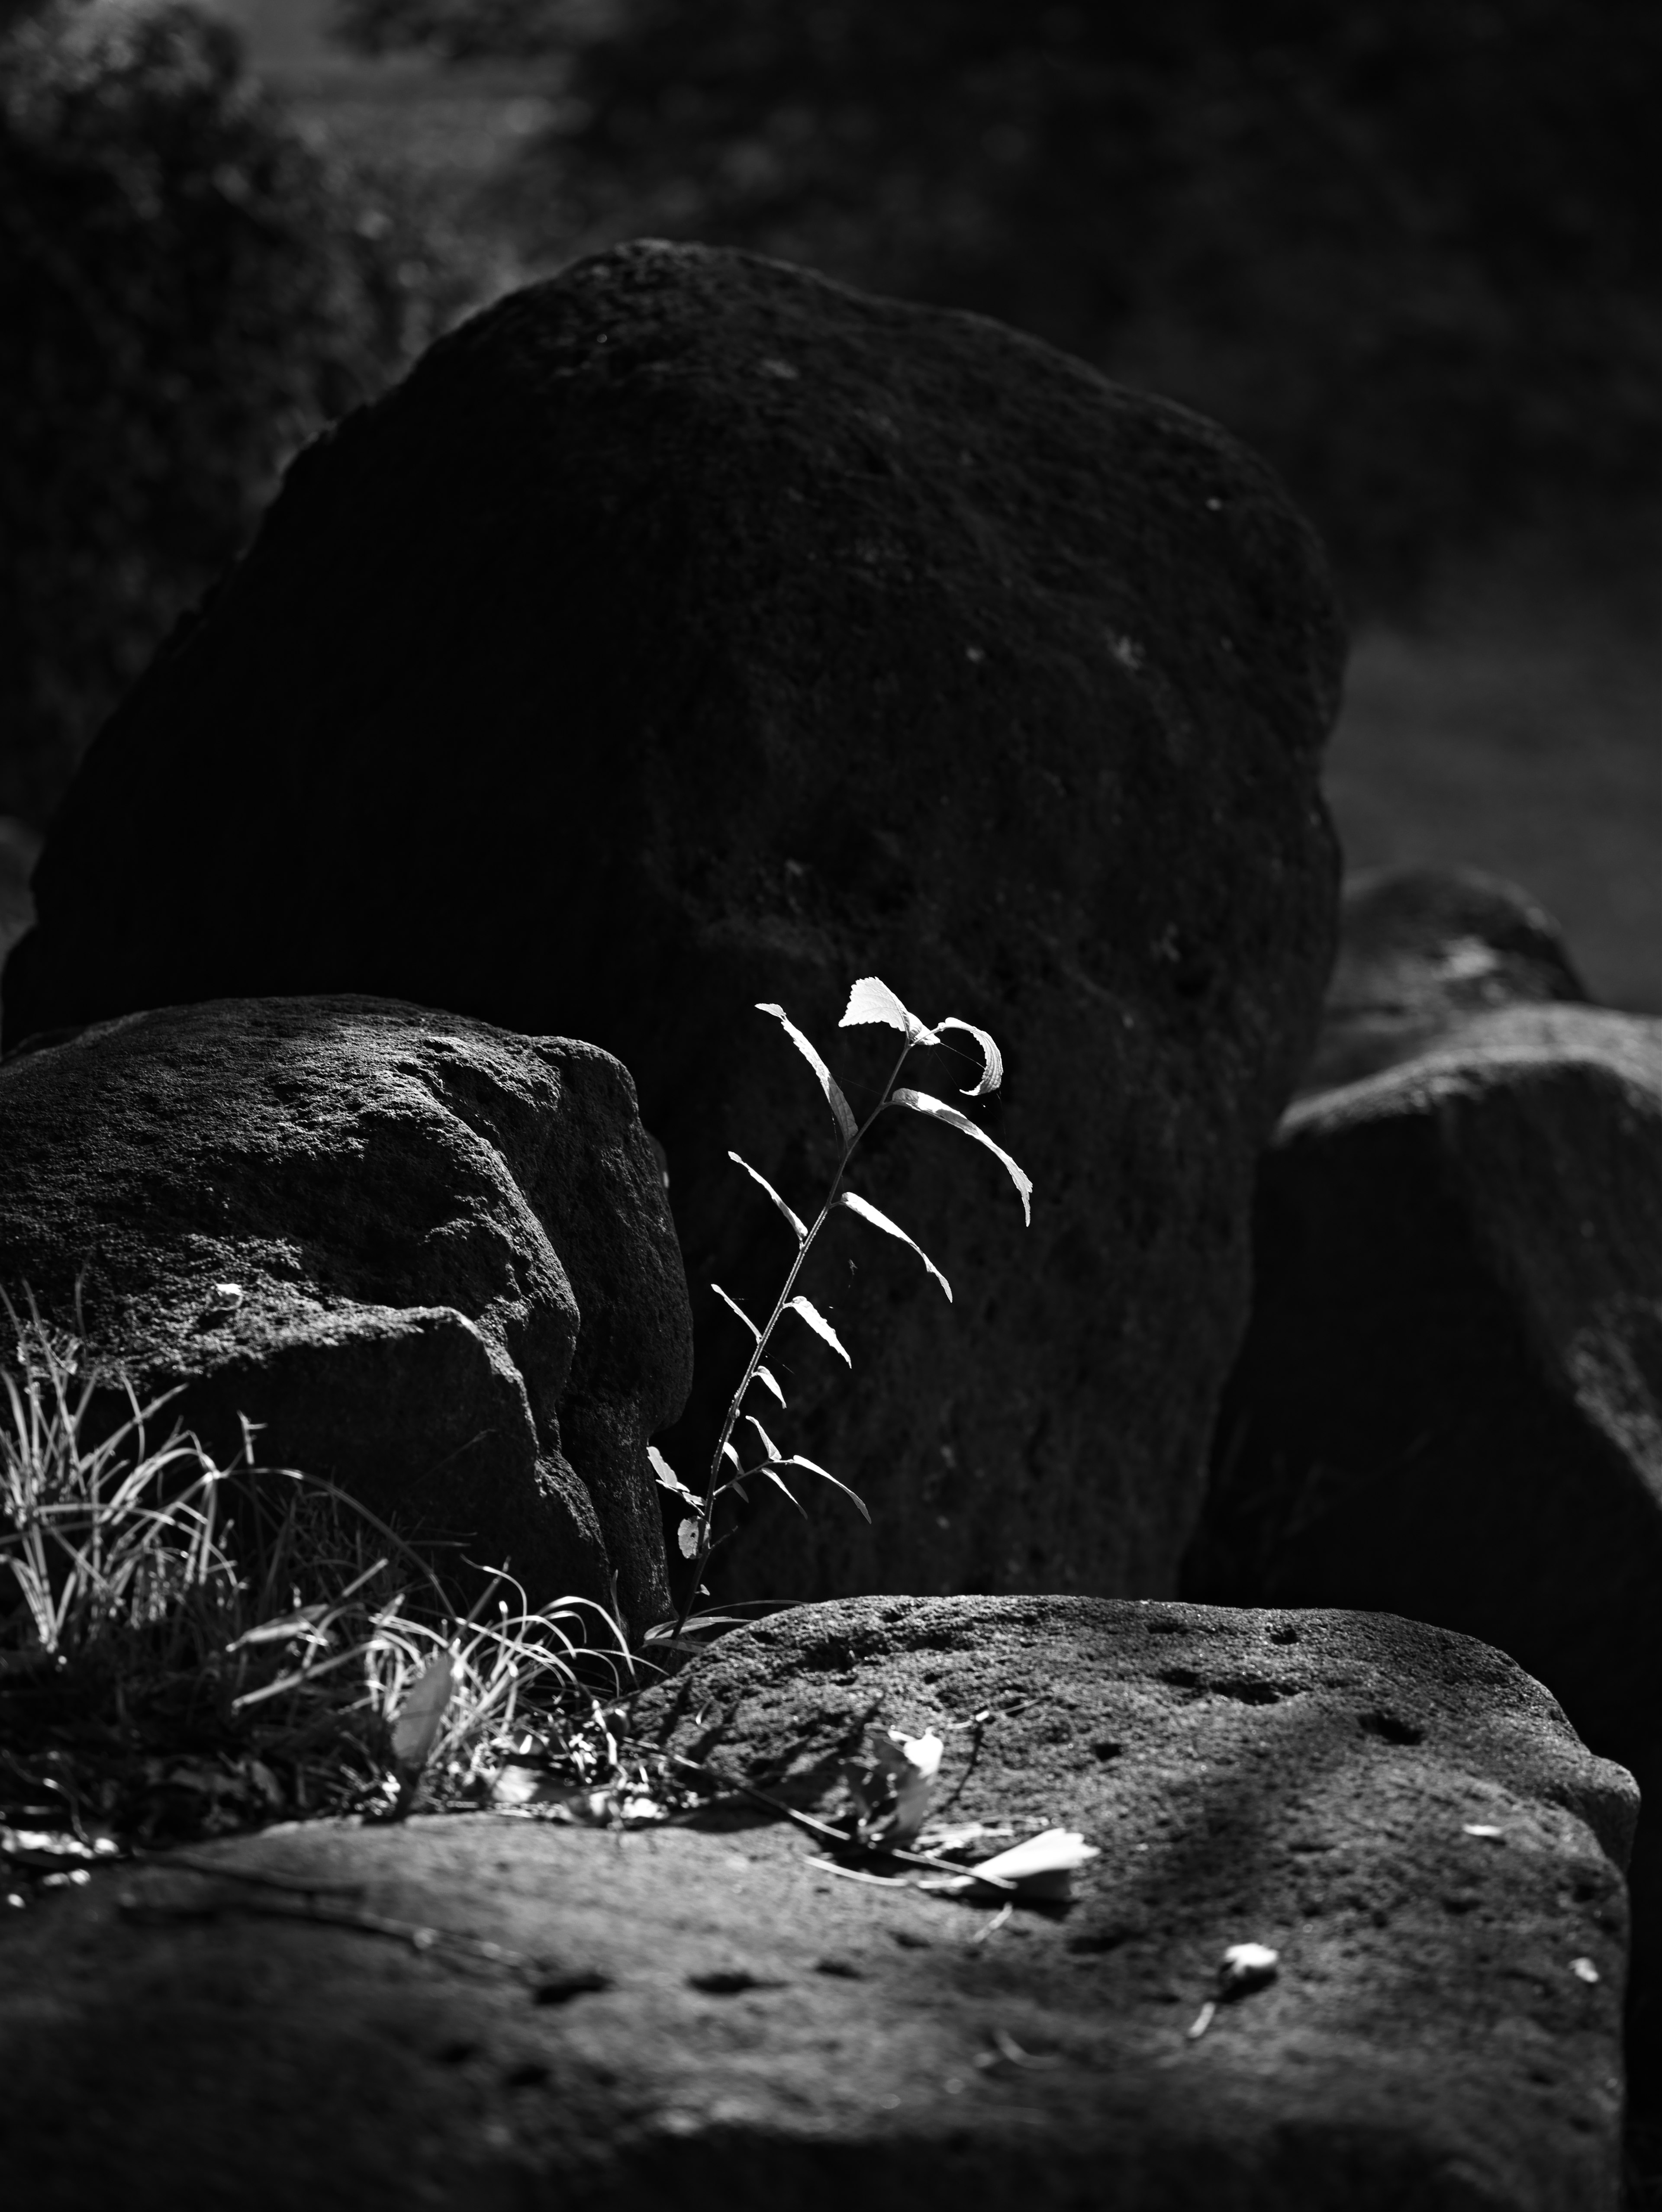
[870,1002]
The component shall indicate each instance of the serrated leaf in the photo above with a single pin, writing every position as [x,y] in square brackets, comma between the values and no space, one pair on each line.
[871,1000]
[669,1480]
[865,1212]
[841,1112]
[686,1538]
[796,1223]
[992,1074]
[938,1110]
[734,1306]
[768,1444]
[817,1321]
[765,1377]
[421,1715]
[825,1473]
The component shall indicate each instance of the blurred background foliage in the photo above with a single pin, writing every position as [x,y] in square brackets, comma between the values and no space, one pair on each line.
[187,293]
[1407,248]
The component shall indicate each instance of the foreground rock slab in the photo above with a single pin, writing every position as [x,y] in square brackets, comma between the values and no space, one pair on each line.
[709,2018]
[687,632]
[430,1259]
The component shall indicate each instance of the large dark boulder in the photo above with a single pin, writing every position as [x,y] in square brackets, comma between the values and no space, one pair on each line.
[453,1287]
[476,2013]
[689,631]
[1449,1401]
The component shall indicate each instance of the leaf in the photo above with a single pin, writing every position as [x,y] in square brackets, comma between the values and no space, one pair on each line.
[858,1207]
[799,1225]
[669,1480]
[768,1444]
[728,1452]
[736,1308]
[992,1074]
[765,1377]
[1042,1867]
[825,1475]
[421,1715]
[686,1538]
[871,1000]
[779,1483]
[817,1321]
[841,1112]
[937,1110]
[1246,1968]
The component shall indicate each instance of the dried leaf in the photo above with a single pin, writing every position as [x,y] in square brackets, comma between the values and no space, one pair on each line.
[992,1074]
[1043,1867]
[817,1321]
[421,1715]
[686,1538]
[864,1212]
[938,1110]
[842,1113]
[871,1000]
[669,1480]
[796,1221]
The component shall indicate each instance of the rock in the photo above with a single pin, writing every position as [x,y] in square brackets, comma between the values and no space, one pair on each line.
[688,632]
[455,1287]
[1420,952]
[1449,1402]
[704,2017]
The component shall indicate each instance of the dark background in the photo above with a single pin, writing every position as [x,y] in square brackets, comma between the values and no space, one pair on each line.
[1408,251]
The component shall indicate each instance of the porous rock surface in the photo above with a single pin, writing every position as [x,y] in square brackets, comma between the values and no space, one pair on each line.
[703,2019]
[457,1289]
[1449,1400]
[687,632]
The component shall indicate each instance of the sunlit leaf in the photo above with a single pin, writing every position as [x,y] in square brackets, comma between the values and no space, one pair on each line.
[992,1074]
[729,1452]
[817,1321]
[669,1480]
[1246,1968]
[765,1377]
[825,1473]
[779,1483]
[937,1110]
[796,1223]
[686,1536]
[768,1444]
[864,1212]
[734,1306]
[841,1111]
[421,1715]
[871,1000]
[1042,1867]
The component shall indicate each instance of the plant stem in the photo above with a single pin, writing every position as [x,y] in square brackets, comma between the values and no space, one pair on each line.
[715,1487]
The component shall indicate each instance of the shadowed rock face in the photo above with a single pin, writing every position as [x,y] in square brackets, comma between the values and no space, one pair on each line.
[460,1295]
[707,2017]
[687,632]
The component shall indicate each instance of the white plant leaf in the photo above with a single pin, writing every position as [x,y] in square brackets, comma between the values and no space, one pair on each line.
[734,1306]
[669,1480]
[919,1764]
[768,1445]
[421,1714]
[938,1110]
[825,1475]
[1043,1867]
[729,1452]
[779,1483]
[686,1537]
[817,1321]
[1247,1966]
[992,1074]
[871,1000]
[765,1377]
[858,1206]
[841,1112]
[794,1220]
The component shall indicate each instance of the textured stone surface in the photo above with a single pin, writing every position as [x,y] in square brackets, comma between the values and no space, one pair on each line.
[688,632]
[1449,1403]
[705,2018]
[461,1295]
[1421,950]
